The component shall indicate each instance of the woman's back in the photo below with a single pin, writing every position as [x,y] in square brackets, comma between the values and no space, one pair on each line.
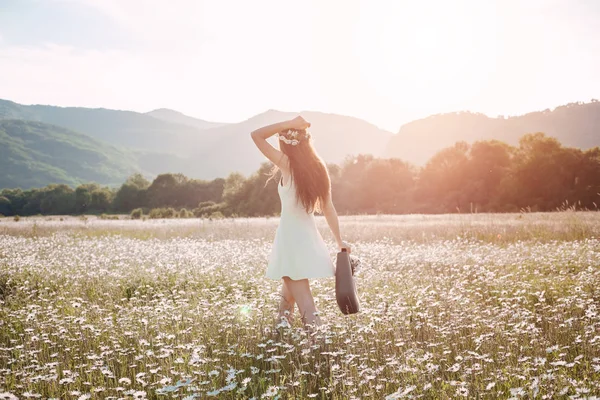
[290,205]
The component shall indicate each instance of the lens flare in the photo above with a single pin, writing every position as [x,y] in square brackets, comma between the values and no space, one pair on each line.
[245,309]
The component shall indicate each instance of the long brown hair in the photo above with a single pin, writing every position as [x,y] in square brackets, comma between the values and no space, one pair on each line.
[309,173]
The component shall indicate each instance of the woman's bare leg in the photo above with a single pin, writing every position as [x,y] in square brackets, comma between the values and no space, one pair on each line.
[300,290]
[286,303]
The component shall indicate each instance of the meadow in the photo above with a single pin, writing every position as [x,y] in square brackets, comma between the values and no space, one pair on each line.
[487,306]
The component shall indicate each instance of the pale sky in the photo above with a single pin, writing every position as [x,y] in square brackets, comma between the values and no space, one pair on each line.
[385,61]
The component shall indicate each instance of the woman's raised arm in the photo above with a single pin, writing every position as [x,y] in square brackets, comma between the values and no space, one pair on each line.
[261,135]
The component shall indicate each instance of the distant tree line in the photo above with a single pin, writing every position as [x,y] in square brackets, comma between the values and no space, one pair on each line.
[487,176]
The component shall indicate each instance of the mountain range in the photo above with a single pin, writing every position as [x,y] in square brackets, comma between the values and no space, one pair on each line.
[43,144]
[574,125]
[179,118]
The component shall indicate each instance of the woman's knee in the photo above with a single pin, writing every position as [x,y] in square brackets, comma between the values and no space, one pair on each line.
[296,286]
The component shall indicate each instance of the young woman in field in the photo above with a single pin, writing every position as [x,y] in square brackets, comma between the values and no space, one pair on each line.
[299,252]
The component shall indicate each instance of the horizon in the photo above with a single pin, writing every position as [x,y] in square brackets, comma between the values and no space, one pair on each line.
[309,111]
[349,58]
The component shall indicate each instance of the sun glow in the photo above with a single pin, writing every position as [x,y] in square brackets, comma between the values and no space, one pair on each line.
[413,51]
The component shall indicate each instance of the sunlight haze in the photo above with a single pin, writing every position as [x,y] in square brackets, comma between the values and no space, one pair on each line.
[388,62]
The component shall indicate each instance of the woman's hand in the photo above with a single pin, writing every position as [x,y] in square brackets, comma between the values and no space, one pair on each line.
[346,246]
[298,124]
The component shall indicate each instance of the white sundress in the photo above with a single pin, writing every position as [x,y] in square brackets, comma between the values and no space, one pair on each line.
[299,251]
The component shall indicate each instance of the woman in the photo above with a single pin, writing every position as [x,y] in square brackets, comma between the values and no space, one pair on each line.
[299,252]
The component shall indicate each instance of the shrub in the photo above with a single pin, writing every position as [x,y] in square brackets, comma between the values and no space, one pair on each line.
[155,213]
[106,216]
[162,213]
[17,218]
[216,215]
[209,209]
[137,213]
[184,213]
[204,204]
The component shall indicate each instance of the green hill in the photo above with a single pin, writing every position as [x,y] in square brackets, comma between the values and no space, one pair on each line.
[119,128]
[35,154]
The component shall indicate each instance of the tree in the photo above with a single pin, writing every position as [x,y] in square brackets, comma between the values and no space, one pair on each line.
[166,190]
[132,194]
[257,195]
[101,199]
[544,173]
[83,197]
[17,200]
[443,179]
[194,190]
[137,180]
[57,199]
[5,206]
[33,202]
[488,175]
[488,165]
[587,182]
[373,185]
[233,184]
[345,188]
